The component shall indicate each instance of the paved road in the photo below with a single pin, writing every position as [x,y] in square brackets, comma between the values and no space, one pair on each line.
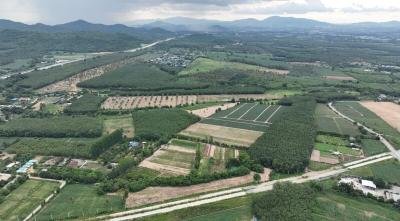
[72,61]
[391,148]
[237,192]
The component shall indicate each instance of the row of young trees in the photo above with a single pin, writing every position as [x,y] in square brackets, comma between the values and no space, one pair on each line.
[106,142]
[80,175]
[287,144]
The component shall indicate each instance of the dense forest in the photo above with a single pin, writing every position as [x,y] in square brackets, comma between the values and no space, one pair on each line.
[287,144]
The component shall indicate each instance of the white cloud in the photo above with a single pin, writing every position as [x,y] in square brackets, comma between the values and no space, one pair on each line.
[19,10]
[126,11]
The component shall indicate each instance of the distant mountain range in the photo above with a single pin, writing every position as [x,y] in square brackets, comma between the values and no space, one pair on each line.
[274,23]
[158,28]
[84,26]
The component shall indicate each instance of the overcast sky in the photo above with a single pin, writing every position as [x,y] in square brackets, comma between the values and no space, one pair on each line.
[129,11]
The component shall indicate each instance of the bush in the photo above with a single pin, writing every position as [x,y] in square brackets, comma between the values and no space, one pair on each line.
[106,142]
[286,202]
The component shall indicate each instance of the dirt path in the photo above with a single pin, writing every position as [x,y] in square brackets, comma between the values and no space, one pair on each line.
[388,111]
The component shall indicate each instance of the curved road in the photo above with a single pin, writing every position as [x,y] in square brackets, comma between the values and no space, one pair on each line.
[388,145]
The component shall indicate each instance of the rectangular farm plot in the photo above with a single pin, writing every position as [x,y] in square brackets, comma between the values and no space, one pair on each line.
[223,134]
[172,159]
[23,200]
[249,116]
[330,122]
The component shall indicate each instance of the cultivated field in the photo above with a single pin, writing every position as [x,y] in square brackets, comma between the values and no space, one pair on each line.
[177,158]
[330,122]
[227,135]
[173,159]
[249,116]
[132,102]
[123,103]
[23,200]
[359,113]
[205,65]
[388,111]
[388,170]
[77,201]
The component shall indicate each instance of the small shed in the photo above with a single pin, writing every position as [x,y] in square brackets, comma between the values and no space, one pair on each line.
[368,184]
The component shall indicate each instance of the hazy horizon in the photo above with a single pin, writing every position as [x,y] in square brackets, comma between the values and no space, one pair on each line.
[133,11]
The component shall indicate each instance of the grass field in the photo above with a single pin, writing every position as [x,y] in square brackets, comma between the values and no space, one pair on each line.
[372,147]
[327,149]
[205,65]
[334,206]
[249,116]
[222,134]
[357,112]
[23,200]
[76,201]
[124,122]
[237,209]
[388,170]
[329,122]
[68,147]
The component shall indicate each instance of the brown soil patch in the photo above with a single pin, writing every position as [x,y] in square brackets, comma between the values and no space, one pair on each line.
[388,111]
[208,111]
[228,135]
[340,78]
[316,157]
[159,194]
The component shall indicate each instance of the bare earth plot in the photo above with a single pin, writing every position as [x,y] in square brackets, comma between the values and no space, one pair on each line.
[340,78]
[132,102]
[159,194]
[388,111]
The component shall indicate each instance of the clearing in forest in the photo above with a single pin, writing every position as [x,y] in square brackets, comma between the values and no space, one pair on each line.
[124,122]
[205,65]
